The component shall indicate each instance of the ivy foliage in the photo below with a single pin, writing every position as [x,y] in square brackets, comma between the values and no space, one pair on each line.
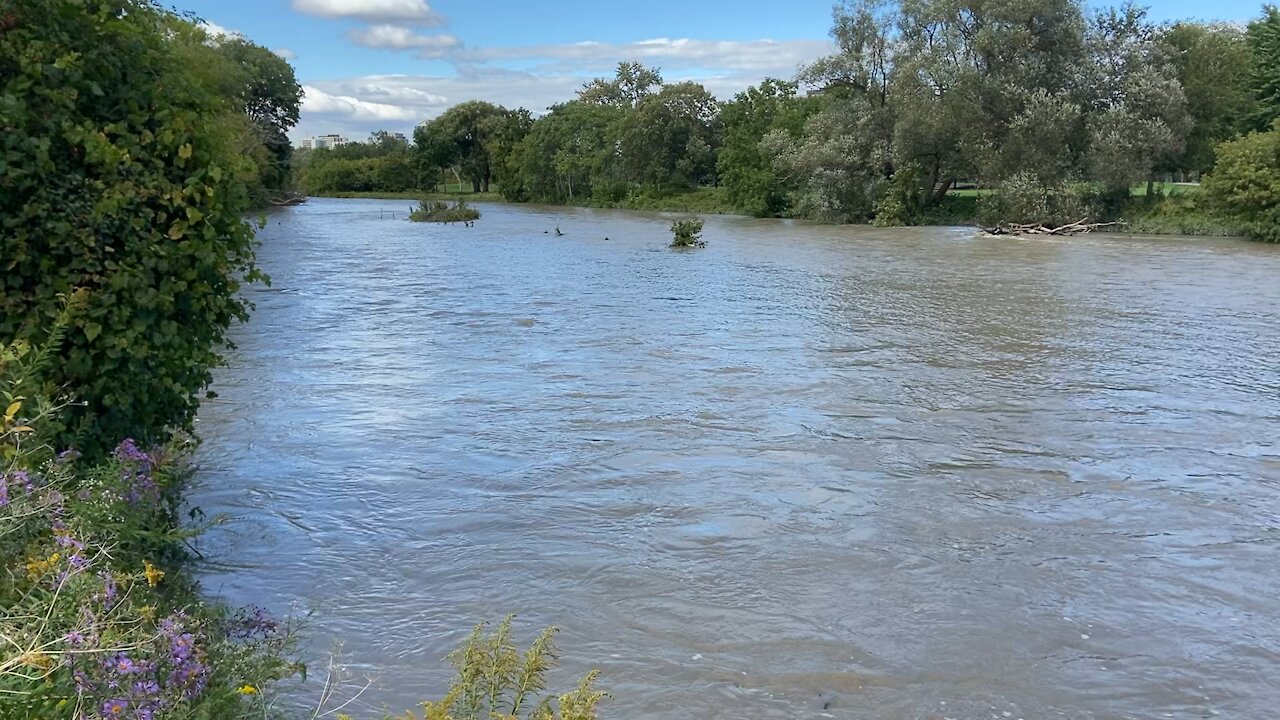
[122,178]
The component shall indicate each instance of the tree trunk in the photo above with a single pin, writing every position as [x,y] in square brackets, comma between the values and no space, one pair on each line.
[941,192]
[570,186]
[931,189]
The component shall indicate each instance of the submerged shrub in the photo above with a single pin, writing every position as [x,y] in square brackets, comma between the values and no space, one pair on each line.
[687,233]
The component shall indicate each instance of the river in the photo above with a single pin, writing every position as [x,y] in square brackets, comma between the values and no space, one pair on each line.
[807,471]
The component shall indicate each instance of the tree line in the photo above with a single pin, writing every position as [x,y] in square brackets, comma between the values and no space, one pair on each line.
[1057,112]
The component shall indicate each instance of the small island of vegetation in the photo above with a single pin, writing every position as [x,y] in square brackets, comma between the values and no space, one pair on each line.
[442,211]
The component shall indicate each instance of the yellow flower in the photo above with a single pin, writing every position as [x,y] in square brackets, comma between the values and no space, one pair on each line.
[153,573]
[248,690]
[36,659]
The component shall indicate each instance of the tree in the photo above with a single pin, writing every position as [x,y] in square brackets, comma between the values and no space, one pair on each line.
[667,140]
[1263,37]
[836,166]
[968,75]
[632,83]
[1245,184]
[122,179]
[948,89]
[266,90]
[1213,63]
[464,137]
[569,152]
[748,176]
[1138,113]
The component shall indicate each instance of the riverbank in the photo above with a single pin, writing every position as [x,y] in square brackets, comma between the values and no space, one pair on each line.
[710,201]
[1174,211]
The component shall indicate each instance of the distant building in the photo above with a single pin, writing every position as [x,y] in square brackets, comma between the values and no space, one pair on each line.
[332,140]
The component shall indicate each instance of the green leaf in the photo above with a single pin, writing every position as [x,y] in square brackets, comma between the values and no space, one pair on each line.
[92,331]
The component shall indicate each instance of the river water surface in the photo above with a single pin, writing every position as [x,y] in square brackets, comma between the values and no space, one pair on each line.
[805,472]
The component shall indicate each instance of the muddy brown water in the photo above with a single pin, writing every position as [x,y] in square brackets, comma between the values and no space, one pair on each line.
[805,472]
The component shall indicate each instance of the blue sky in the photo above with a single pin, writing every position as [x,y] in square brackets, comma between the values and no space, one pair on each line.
[372,64]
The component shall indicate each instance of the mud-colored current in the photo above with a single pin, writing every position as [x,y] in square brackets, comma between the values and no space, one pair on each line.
[808,471]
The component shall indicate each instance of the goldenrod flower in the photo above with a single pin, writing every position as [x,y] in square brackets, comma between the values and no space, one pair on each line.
[248,690]
[36,659]
[153,573]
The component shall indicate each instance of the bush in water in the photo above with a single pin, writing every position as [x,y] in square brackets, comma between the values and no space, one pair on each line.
[687,233]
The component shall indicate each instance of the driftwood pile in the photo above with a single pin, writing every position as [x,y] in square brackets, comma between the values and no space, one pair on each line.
[287,199]
[1075,228]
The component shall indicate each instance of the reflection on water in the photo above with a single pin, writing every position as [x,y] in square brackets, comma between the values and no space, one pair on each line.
[866,473]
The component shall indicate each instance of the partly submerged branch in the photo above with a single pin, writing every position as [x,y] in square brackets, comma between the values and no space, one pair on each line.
[1075,228]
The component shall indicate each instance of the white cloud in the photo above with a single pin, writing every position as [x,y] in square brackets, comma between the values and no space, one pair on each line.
[414,12]
[773,56]
[393,37]
[318,102]
[216,31]
[286,53]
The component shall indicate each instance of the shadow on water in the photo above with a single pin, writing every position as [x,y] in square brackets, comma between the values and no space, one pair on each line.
[807,470]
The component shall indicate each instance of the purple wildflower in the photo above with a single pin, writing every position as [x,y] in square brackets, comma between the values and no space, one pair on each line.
[23,478]
[4,491]
[129,450]
[108,596]
[123,665]
[75,637]
[82,681]
[146,687]
[115,708]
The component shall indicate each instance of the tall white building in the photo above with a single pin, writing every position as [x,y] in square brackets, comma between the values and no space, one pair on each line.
[332,140]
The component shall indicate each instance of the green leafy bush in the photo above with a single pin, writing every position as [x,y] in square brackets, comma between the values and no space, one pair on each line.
[120,175]
[687,233]
[1245,185]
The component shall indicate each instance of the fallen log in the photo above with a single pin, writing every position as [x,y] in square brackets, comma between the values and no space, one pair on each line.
[287,199]
[1076,228]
